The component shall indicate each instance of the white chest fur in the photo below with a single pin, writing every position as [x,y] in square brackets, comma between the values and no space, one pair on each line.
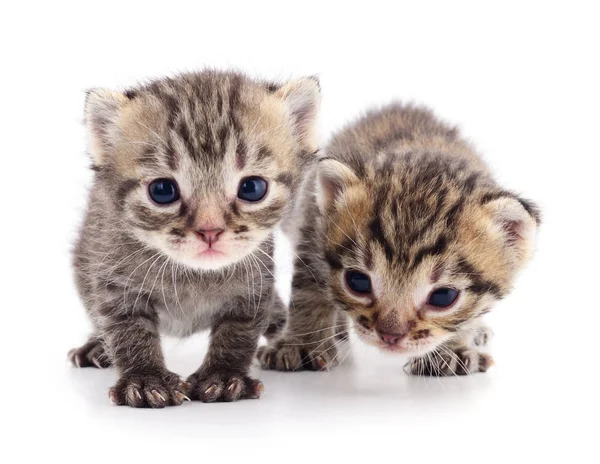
[181,318]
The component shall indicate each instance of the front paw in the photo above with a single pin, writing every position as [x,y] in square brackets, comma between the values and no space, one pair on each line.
[149,390]
[223,386]
[483,336]
[289,355]
[448,362]
[92,354]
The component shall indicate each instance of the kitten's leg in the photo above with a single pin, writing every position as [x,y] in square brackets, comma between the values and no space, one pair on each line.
[130,333]
[277,317]
[313,333]
[314,329]
[459,356]
[223,375]
[91,354]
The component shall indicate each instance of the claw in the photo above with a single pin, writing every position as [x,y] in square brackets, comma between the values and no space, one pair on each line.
[210,390]
[234,390]
[321,363]
[96,362]
[112,397]
[286,363]
[180,396]
[485,362]
[156,394]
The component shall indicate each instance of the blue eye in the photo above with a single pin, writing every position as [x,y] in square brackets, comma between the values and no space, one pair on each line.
[252,188]
[163,191]
[443,297]
[358,282]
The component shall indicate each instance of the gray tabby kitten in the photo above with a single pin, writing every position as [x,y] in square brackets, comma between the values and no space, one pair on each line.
[409,237]
[192,175]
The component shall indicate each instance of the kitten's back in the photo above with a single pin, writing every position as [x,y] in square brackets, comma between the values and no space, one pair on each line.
[397,128]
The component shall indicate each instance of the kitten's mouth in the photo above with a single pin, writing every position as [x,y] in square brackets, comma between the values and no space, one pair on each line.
[401,348]
[210,253]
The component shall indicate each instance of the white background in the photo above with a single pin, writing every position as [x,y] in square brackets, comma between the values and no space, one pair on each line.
[520,78]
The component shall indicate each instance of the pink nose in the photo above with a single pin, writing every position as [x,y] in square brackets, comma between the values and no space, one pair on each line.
[390,338]
[209,236]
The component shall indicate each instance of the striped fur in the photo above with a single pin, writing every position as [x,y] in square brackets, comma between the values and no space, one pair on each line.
[401,197]
[137,264]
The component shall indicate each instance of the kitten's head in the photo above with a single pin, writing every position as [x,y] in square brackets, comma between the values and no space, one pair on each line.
[419,246]
[203,166]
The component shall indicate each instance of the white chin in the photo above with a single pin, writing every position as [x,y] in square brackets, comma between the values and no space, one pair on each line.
[209,263]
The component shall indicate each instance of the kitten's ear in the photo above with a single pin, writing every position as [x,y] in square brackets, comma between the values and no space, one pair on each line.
[302,98]
[515,221]
[102,108]
[333,178]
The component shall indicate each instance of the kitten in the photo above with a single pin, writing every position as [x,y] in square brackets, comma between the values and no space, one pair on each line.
[192,175]
[409,235]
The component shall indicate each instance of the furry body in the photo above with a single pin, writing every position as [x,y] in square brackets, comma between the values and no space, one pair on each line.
[145,268]
[401,198]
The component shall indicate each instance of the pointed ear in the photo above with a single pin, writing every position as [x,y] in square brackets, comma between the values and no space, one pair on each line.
[102,108]
[302,97]
[515,221]
[333,178]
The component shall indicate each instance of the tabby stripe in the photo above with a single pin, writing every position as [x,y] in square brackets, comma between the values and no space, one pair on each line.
[437,248]
[377,234]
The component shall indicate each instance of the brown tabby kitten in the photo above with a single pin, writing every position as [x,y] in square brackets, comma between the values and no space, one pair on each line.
[409,235]
[192,175]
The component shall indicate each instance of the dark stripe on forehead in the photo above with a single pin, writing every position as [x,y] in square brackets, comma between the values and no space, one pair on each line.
[437,248]
[235,87]
[470,183]
[222,136]
[241,154]
[264,153]
[172,106]
[377,234]
[173,158]
[453,213]
[368,258]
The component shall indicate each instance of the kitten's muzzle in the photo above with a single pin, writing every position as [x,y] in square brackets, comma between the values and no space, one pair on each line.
[209,236]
